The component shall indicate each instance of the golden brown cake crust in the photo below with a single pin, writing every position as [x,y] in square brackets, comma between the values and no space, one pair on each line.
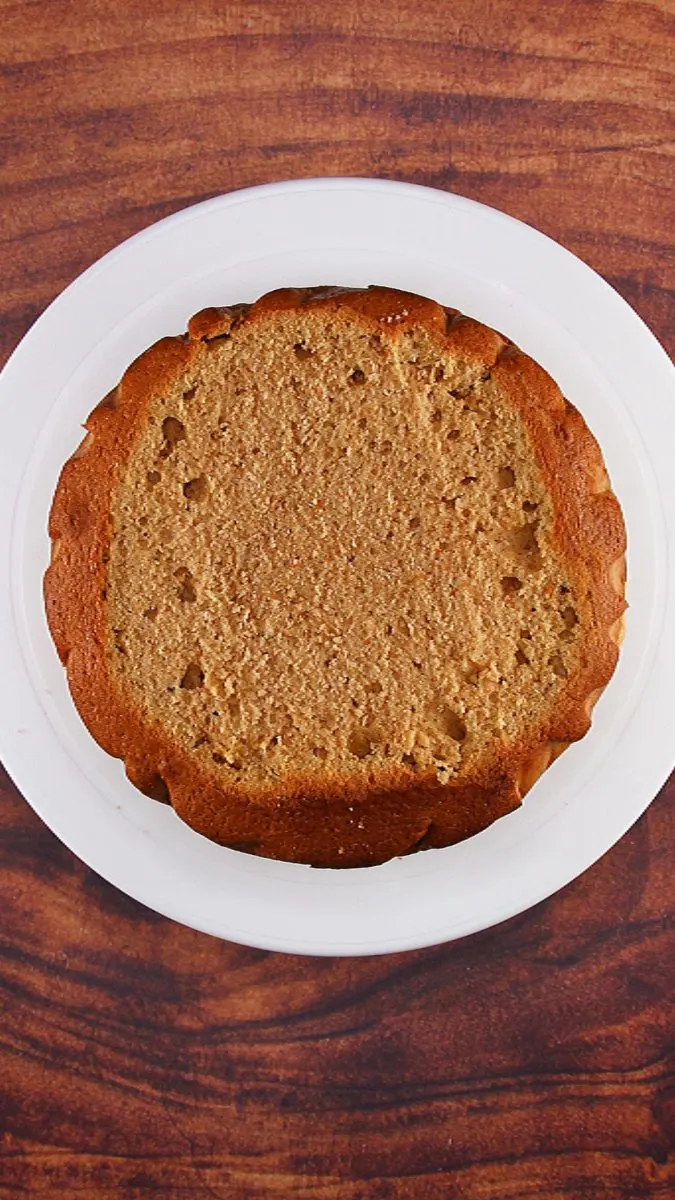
[330,824]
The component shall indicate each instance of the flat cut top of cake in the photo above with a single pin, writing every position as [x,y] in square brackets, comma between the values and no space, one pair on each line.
[338,574]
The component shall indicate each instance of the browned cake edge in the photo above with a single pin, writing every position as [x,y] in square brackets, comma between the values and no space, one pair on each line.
[327,823]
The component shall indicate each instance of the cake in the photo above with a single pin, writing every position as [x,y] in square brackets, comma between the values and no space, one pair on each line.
[337,574]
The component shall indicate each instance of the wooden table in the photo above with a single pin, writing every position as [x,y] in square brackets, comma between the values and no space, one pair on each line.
[138,1058]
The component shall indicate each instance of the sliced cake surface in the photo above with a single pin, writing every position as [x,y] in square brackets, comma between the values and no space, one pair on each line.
[338,574]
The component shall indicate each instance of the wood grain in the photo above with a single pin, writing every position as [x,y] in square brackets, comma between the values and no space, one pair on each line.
[138,1058]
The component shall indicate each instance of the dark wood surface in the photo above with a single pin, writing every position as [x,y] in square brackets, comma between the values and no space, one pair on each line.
[138,1058]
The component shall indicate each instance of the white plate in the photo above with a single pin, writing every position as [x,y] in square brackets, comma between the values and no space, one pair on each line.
[347,231]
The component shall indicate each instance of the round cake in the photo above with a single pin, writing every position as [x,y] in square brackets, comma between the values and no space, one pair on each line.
[337,574]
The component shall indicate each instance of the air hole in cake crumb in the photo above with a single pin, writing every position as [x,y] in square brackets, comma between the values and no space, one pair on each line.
[193,678]
[190,393]
[424,478]
[320,752]
[436,417]
[374,688]
[439,373]
[511,584]
[363,423]
[196,489]
[559,668]
[530,506]
[452,724]
[417,664]
[453,435]
[570,617]
[173,431]
[564,589]
[521,658]
[472,673]
[525,633]
[150,613]
[469,479]
[409,760]
[153,477]
[119,641]
[219,758]
[386,447]
[506,477]
[357,376]
[359,744]
[187,591]
[414,523]
[302,351]
[524,542]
